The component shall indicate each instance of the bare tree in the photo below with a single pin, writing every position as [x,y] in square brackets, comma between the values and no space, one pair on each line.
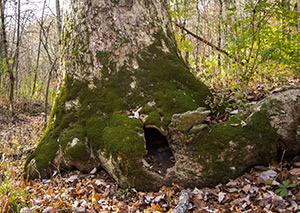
[58,18]
[6,59]
[38,51]
[17,48]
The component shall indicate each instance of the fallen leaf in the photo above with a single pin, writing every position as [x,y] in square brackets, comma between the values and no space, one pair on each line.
[295,172]
[93,171]
[268,175]
[221,196]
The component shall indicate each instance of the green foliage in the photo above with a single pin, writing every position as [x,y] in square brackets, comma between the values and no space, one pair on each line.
[3,66]
[283,188]
[265,33]
[259,39]
[182,9]
[16,198]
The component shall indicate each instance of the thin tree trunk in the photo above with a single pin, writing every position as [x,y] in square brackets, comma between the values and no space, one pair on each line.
[58,19]
[39,52]
[59,28]
[2,41]
[47,92]
[219,31]
[197,42]
[6,58]
[52,65]
[16,58]
[296,9]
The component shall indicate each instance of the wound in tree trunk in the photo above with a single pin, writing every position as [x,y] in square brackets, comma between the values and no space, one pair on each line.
[159,155]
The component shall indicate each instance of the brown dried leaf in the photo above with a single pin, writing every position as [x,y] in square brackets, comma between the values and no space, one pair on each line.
[295,172]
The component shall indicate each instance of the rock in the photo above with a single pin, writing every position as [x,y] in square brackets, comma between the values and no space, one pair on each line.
[198,128]
[184,122]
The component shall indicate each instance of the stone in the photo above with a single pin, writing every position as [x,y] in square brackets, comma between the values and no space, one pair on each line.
[186,121]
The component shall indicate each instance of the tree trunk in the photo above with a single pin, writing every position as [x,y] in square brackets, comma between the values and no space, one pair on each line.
[38,52]
[47,91]
[16,56]
[124,102]
[58,18]
[6,58]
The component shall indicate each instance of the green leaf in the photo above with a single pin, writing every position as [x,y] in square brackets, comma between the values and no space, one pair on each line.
[229,15]
[286,182]
[268,182]
[292,185]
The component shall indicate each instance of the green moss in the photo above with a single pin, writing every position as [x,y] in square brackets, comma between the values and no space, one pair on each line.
[154,118]
[165,79]
[274,103]
[94,128]
[43,156]
[78,152]
[83,15]
[103,56]
[147,110]
[75,131]
[121,137]
[225,146]
[123,140]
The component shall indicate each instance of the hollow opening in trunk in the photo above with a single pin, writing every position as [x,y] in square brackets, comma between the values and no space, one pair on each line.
[159,156]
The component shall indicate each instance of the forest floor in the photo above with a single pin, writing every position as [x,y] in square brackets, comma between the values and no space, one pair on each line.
[268,188]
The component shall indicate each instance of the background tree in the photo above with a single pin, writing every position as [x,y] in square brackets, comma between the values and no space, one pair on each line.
[6,64]
[25,29]
[252,38]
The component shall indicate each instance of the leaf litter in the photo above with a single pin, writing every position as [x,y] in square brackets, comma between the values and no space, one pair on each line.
[273,188]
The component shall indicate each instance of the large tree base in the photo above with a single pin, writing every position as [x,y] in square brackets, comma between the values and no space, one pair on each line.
[124,104]
[193,154]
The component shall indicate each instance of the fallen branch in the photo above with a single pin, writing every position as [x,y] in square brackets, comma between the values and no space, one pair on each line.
[209,44]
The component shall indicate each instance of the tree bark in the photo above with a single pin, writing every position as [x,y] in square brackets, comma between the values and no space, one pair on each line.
[16,56]
[128,103]
[58,18]
[38,52]
[6,58]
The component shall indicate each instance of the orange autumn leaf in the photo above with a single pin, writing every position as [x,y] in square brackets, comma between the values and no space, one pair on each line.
[156,207]
[80,191]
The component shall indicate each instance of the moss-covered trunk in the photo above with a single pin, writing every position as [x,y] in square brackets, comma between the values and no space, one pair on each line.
[127,103]
[211,154]
[121,72]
